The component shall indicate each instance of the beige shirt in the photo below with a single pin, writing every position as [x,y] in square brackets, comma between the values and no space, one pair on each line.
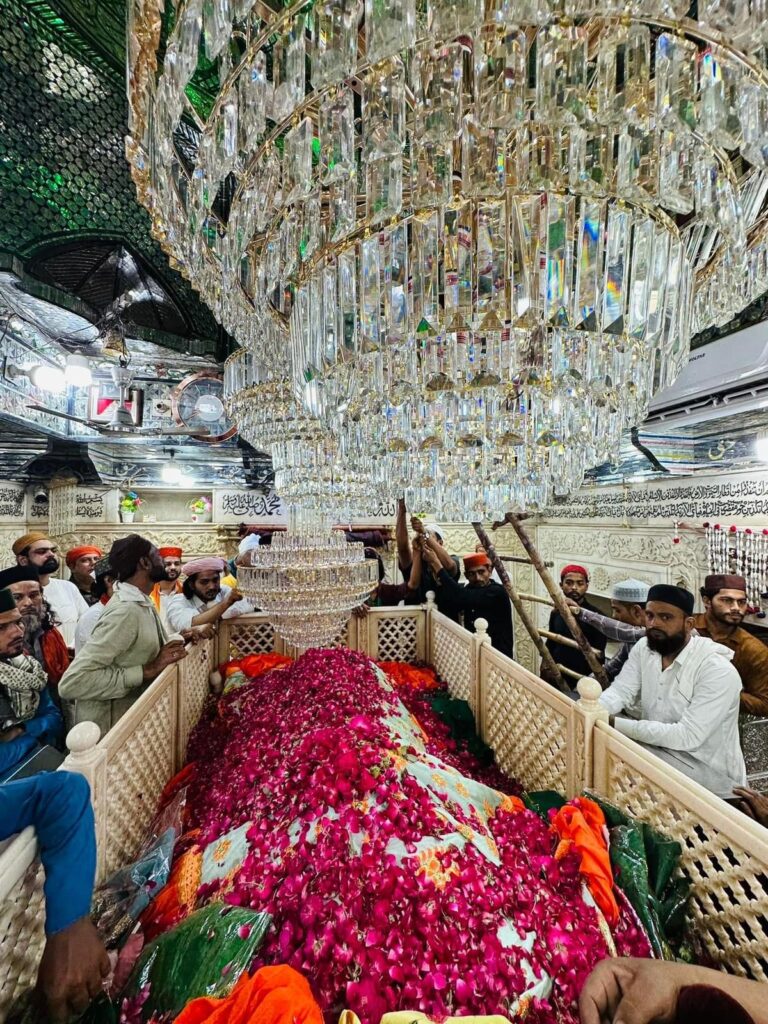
[107,675]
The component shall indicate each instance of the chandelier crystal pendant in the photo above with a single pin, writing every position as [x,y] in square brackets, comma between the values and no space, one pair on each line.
[308,580]
[469,239]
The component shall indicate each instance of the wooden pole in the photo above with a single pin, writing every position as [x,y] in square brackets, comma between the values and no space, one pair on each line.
[569,672]
[546,658]
[523,561]
[536,598]
[557,596]
[566,641]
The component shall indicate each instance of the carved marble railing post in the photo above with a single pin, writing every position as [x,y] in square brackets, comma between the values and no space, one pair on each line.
[429,607]
[589,711]
[89,760]
[480,639]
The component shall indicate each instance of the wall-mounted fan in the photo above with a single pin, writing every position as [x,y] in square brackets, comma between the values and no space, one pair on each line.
[118,410]
[198,406]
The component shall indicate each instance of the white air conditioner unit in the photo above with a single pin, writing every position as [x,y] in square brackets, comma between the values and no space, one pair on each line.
[725,378]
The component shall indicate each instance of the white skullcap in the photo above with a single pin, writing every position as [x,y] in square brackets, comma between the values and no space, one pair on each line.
[630,591]
[431,526]
[250,541]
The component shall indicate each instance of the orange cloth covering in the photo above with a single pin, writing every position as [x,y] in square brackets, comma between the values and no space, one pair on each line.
[274,995]
[253,665]
[409,675]
[155,594]
[580,825]
[55,656]
[176,900]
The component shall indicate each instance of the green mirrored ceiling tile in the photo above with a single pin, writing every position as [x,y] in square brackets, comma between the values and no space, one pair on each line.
[62,145]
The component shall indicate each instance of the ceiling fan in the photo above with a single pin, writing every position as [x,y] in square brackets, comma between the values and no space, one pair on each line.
[126,413]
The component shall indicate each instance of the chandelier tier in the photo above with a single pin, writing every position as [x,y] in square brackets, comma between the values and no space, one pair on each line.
[468,240]
[308,581]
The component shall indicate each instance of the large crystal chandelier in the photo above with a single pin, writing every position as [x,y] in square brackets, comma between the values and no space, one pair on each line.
[308,580]
[474,235]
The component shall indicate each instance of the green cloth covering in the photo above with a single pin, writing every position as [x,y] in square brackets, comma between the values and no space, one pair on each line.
[458,716]
[204,955]
[645,863]
[543,801]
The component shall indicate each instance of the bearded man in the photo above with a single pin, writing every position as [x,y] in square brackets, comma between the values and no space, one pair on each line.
[725,605]
[36,549]
[163,591]
[29,720]
[688,693]
[129,646]
[42,640]
[80,562]
[204,599]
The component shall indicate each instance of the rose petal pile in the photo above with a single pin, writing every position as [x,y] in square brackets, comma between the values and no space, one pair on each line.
[394,881]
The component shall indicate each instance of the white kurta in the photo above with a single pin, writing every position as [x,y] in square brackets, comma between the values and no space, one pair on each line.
[690,709]
[87,624]
[68,606]
[181,610]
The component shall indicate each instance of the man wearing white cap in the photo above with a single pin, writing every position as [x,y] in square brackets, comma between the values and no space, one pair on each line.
[203,599]
[428,535]
[627,626]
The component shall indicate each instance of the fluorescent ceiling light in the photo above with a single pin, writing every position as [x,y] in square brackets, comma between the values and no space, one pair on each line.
[77,372]
[48,378]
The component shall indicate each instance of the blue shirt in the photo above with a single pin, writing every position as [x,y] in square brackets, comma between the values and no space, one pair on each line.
[47,726]
[58,805]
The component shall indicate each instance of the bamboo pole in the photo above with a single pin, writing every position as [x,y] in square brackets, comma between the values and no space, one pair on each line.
[566,641]
[522,561]
[557,596]
[569,672]
[546,658]
[536,598]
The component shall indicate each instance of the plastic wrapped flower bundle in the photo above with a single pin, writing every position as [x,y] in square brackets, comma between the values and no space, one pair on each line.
[393,879]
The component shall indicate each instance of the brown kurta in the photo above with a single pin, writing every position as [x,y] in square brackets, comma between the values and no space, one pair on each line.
[750,659]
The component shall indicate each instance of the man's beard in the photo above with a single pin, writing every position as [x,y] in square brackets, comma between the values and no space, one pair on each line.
[49,565]
[172,574]
[726,620]
[666,645]
[211,596]
[32,622]
[158,574]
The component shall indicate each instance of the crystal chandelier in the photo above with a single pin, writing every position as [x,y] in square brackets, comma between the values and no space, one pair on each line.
[475,235]
[308,580]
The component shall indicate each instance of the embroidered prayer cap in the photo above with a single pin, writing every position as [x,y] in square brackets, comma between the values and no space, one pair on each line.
[724,581]
[126,553]
[7,606]
[248,543]
[85,549]
[103,567]
[630,591]
[475,561]
[198,565]
[170,552]
[18,574]
[27,540]
[575,569]
[668,594]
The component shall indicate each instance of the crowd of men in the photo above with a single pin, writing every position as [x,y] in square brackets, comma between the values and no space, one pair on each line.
[679,681]
[85,649]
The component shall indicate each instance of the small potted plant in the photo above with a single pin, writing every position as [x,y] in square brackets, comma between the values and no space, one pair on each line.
[201,509]
[130,503]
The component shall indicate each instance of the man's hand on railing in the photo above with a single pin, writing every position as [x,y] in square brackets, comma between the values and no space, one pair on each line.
[72,970]
[169,654]
[195,634]
[361,611]
[753,803]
